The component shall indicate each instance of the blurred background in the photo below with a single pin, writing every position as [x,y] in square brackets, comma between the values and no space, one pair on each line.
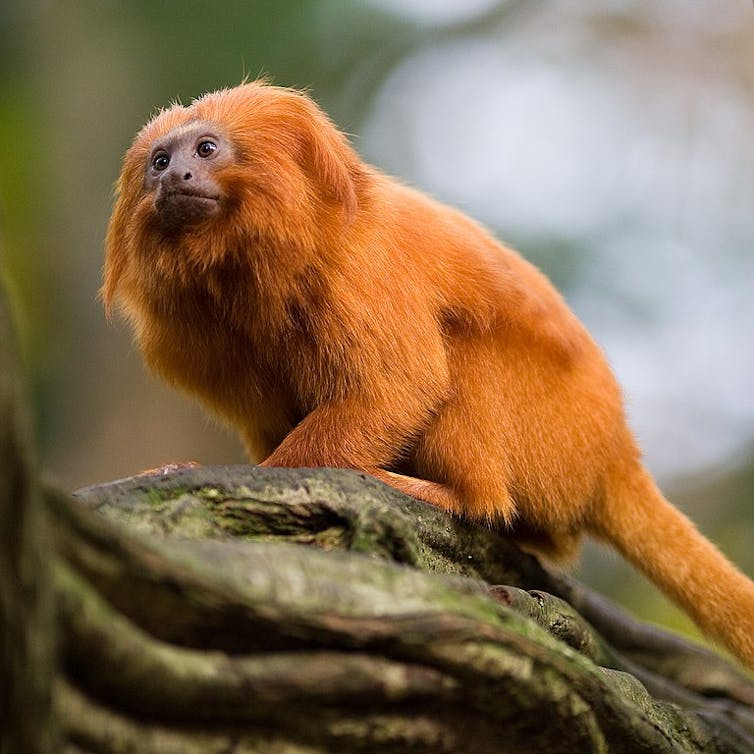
[610,141]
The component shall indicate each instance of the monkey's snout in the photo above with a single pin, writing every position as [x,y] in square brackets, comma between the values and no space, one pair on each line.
[178,178]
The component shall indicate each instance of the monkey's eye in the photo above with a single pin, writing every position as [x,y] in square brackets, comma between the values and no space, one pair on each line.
[206,148]
[160,161]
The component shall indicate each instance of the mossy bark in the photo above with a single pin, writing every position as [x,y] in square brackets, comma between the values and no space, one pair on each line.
[318,611]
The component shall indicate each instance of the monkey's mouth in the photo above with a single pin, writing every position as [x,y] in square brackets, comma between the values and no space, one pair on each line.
[177,209]
[185,195]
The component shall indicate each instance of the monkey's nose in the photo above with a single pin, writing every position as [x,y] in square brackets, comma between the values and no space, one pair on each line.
[187,176]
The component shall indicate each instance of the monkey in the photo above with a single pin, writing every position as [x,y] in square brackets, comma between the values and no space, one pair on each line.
[337,317]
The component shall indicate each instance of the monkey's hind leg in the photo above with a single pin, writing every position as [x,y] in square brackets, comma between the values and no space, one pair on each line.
[445,496]
[434,493]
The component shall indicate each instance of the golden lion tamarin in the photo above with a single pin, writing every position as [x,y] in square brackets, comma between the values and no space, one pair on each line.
[339,318]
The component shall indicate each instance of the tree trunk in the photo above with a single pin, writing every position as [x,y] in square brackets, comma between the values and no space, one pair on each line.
[26,619]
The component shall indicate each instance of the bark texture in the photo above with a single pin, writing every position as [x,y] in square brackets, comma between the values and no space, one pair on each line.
[263,610]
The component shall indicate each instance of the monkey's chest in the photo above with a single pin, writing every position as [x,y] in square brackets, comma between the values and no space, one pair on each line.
[228,371]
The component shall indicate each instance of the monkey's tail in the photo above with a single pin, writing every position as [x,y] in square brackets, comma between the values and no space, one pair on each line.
[662,543]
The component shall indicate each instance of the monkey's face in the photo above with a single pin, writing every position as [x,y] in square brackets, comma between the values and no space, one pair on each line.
[182,175]
[242,177]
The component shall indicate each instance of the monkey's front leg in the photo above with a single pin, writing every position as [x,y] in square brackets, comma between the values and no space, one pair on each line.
[362,435]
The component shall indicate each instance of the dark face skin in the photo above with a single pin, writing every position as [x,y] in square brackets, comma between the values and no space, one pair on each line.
[181,173]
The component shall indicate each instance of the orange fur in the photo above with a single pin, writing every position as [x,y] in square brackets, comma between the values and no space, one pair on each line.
[339,318]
